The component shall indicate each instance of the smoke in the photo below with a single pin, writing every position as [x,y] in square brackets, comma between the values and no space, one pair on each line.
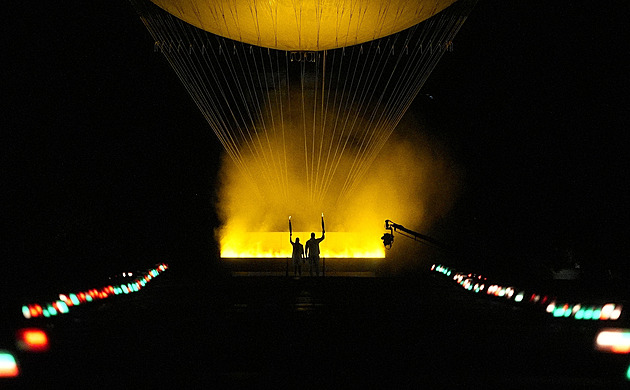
[412,182]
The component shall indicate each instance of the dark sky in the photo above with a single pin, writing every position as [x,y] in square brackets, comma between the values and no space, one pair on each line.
[538,90]
[107,163]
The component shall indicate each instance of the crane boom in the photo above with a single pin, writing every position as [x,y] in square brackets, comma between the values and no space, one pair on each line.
[388,238]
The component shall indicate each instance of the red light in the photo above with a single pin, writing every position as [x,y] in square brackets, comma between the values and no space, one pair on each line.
[32,340]
[33,311]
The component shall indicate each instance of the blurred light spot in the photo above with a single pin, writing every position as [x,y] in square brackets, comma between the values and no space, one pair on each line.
[62,307]
[32,340]
[74,299]
[8,365]
[616,313]
[615,340]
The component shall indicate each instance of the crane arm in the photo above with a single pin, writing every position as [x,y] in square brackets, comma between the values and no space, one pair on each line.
[388,238]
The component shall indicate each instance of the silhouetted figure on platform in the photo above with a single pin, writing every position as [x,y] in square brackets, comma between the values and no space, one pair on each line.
[298,255]
[312,252]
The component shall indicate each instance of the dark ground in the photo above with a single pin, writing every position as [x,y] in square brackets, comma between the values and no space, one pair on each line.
[394,332]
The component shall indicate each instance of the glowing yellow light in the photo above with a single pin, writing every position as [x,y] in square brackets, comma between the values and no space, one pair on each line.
[253,209]
[276,244]
[303,25]
[32,340]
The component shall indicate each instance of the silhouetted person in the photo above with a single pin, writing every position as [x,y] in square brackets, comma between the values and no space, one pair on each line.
[298,256]
[312,253]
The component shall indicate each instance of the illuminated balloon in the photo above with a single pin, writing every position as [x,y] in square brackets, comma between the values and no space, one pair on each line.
[303,25]
[303,95]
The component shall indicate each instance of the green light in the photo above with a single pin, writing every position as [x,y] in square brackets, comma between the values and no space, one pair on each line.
[559,312]
[448,273]
[628,373]
[75,301]
[568,312]
[579,315]
[52,311]
[46,313]
[88,297]
[125,289]
[26,312]
[588,314]
[596,314]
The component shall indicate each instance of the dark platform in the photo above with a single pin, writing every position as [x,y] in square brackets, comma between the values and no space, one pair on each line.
[330,267]
[402,332]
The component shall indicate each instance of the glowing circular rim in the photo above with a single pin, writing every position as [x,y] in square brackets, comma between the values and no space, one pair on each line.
[303,25]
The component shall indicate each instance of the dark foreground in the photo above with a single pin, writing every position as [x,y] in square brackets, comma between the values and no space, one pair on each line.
[418,331]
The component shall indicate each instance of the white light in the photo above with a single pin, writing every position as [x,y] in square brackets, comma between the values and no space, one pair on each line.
[616,313]
[613,340]
[607,311]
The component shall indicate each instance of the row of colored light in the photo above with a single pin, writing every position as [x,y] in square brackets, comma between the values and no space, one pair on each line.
[477,283]
[67,301]
[609,311]
[608,340]
[35,340]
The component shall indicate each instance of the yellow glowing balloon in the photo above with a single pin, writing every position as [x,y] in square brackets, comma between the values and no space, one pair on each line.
[303,25]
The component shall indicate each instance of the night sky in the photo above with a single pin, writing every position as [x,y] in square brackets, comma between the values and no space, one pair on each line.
[108,164]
